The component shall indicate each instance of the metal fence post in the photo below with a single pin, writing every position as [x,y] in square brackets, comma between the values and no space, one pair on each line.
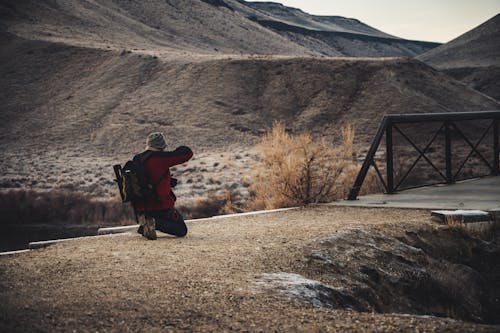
[389,157]
[369,161]
[448,120]
[447,154]
[495,147]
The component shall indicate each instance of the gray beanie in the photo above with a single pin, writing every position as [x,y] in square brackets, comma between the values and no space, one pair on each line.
[156,140]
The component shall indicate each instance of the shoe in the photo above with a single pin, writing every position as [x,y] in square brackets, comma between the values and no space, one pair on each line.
[140,230]
[149,228]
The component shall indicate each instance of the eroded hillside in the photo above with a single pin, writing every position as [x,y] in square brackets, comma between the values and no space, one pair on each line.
[83,82]
[473,58]
[65,103]
[178,28]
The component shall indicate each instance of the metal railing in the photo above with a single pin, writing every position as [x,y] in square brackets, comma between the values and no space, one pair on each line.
[447,121]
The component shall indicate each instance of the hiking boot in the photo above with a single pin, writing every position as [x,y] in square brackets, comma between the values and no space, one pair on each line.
[149,228]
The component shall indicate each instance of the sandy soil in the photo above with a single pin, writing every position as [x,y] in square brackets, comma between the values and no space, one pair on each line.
[204,282]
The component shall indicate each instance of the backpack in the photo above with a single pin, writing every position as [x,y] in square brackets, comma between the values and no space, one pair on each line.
[133,180]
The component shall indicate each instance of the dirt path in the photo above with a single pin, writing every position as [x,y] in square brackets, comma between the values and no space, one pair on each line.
[204,282]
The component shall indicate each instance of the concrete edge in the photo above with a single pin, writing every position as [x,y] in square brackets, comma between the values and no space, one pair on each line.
[356,204]
[116,230]
[258,212]
[130,228]
[9,253]
[41,244]
[462,216]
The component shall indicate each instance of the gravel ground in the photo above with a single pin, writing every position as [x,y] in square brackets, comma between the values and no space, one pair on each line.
[204,282]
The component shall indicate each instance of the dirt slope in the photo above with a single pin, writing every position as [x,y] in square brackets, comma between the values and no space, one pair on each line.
[93,96]
[483,79]
[171,27]
[329,35]
[473,58]
[84,82]
[262,11]
[479,47]
[78,108]
[208,27]
[211,280]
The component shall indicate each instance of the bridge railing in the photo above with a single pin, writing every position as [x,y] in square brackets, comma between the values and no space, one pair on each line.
[451,141]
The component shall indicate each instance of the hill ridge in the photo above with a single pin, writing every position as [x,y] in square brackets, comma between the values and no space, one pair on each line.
[472,58]
[209,27]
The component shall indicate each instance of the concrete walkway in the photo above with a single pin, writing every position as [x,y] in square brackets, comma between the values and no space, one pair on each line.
[483,194]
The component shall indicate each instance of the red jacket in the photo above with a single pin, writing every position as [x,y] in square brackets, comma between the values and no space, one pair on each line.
[157,164]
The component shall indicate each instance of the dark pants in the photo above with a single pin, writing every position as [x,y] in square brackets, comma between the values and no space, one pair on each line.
[170,221]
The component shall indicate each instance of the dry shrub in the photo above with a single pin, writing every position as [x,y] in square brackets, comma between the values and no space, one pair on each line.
[484,231]
[297,170]
[212,205]
[371,184]
[23,207]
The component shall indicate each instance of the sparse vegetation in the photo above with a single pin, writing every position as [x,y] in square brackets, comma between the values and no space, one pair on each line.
[59,207]
[298,170]
[370,185]
[212,204]
[487,231]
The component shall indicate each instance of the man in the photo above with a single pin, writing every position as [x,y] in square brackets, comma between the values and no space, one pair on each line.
[159,209]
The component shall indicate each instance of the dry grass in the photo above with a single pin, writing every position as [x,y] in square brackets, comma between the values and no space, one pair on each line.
[484,231]
[371,184]
[214,203]
[298,170]
[25,207]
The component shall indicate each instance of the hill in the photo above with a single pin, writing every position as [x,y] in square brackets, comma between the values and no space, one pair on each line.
[78,109]
[82,83]
[208,27]
[473,58]
[330,35]
[168,27]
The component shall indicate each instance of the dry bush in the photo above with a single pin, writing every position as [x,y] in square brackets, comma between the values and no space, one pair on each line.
[297,170]
[371,184]
[203,207]
[22,207]
[483,231]
[212,205]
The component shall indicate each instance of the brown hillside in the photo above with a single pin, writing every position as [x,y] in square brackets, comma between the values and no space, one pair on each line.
[473,58]
[82,83]
[207,27]
[171,27]
[93,96]
[479,47]
[328,35]
[80,109]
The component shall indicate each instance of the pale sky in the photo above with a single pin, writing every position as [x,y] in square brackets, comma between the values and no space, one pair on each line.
[428,20]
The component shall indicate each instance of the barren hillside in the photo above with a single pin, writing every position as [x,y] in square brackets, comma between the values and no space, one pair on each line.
[77,108]
[207,27]
[83,82]
[265,11]
[479,47]
[168,27]
[329,35]
[473,58]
